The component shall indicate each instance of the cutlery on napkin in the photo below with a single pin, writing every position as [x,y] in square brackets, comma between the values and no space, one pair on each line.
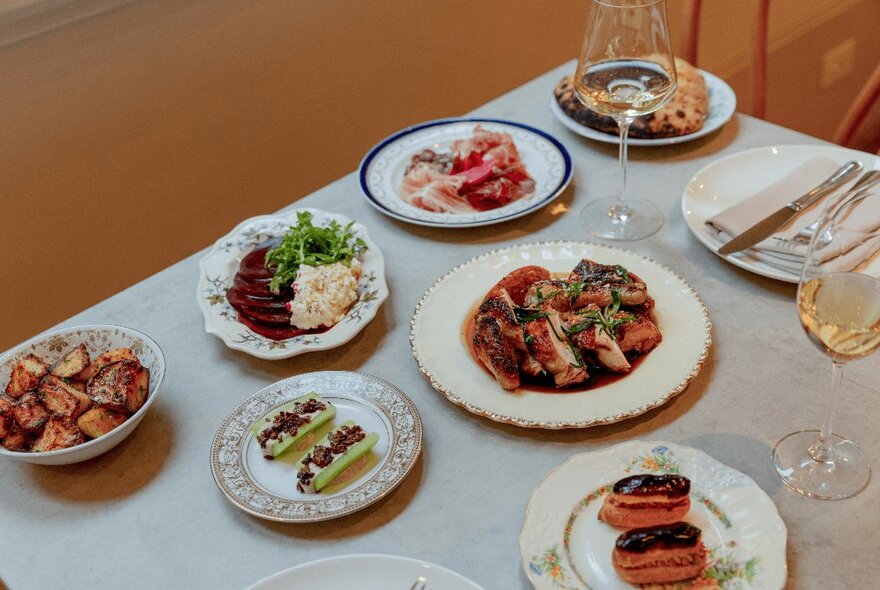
[783,250]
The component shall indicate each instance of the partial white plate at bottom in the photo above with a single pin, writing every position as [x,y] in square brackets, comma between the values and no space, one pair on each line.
[365,572]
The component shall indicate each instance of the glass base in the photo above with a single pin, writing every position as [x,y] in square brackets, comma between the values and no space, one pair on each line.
[844,473]
[604,219]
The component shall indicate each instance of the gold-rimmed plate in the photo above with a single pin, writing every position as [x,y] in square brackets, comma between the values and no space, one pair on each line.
[439,347]
[267,489]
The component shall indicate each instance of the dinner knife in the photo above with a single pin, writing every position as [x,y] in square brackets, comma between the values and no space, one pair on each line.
[767,226]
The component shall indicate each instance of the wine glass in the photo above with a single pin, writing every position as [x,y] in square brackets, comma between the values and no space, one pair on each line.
[839,307]
[625,70]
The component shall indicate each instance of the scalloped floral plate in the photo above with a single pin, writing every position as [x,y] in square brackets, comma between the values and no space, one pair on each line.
[564,546]
[217,270]
[439,348]
[382,170]
[268,488]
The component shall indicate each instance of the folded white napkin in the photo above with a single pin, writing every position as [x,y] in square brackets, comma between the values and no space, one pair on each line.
[781,250]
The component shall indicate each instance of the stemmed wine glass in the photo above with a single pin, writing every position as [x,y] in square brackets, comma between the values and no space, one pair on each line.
[839,307]
[625,70]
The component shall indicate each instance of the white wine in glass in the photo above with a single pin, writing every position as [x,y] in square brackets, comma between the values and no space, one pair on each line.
[625,70]
[839,308]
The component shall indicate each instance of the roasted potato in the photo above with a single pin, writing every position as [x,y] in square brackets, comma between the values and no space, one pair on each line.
[99,421]
[61,398]
[59,433]
[6,420]
[26,375]
[114,356]
[29,413]
[16,439]
[136,396]
[74,362]
[109,388]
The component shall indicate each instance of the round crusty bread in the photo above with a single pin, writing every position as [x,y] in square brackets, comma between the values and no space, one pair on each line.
[685,113]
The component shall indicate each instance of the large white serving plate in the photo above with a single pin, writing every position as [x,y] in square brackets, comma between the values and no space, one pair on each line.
[382,170]
[722,105]
[218,267]
[729,180]
[267,488]
[439,347]
[564,546]
[365,572]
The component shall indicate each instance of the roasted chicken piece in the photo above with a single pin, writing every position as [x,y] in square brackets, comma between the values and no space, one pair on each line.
[496,351]
[600,280]
[551,348]
[548,294]
[517,283]
[639,334]
[596,343]
[500,306]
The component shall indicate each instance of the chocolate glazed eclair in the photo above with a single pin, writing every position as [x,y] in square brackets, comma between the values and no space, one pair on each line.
[647,500]
[660,554]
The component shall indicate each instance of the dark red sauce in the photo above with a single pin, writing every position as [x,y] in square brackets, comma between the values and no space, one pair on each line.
[546,384]
[258,308]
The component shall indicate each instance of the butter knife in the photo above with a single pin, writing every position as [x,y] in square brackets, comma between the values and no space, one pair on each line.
[767,226]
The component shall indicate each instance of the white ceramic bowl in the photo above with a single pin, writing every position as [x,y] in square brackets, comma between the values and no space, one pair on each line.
[51,346]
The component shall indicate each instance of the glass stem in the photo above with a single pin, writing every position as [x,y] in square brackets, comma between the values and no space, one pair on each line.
[823,449]
[622,209]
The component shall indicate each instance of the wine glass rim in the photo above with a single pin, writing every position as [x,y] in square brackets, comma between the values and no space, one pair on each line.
[627,3]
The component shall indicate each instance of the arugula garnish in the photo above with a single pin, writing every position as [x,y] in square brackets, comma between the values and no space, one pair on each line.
[622,273]
[603,318]
[524,314]
[312,246]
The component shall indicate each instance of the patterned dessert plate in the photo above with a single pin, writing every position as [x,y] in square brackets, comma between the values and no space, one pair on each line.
[382,169]
[722,105]
[440,349]
[267,489]
[564,546]
[217,270]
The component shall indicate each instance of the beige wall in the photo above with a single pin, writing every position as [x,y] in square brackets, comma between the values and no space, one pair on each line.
[136,137]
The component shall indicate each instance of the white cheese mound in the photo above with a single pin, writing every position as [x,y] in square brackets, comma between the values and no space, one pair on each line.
[322,294]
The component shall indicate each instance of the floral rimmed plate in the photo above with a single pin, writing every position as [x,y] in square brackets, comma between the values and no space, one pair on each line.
[217,270]
[439,347]
[268,488]
[722,105]
[382,170]
[565,547]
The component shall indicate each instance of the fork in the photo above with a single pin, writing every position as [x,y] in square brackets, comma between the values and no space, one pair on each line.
[420,584]
[867,180]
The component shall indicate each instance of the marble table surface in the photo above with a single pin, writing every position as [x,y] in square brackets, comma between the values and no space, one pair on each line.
[148,514]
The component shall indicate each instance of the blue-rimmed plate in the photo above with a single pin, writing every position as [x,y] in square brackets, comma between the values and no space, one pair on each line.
[382,170]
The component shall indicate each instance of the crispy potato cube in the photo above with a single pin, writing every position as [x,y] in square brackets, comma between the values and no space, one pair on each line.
[114,356]
[29,412]
[26,375]
[109,387]
[136,394]
[99,421]
[86,374]
[73,362]
[59,433]
[16,439]
[61,398]
[6,420]
[80,387]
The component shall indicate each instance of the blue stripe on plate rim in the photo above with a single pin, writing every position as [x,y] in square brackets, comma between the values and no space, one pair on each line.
[362,170]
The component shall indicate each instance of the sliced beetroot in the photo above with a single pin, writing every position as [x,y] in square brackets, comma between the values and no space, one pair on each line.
[253,266]
[266,317]
[273,332]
